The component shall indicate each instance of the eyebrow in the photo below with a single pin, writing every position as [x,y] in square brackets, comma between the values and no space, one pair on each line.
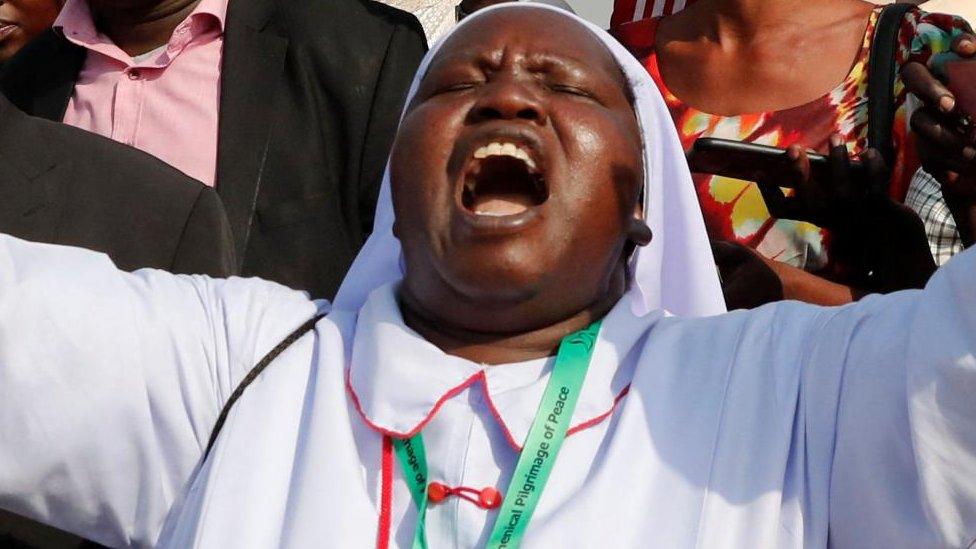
[543,58]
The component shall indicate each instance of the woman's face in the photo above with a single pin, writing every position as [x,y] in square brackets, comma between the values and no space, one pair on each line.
[516,173]
[21,21]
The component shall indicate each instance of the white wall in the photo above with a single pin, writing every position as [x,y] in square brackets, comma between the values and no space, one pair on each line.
[597,11]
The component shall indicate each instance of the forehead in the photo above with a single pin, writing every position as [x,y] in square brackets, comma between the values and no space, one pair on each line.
[529,32]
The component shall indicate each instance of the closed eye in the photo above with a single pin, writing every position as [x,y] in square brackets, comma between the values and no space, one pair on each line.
[458,87]
[573,90]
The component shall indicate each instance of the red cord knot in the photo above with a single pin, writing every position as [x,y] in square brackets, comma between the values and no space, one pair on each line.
[490,498]
[436,492]
[486,498]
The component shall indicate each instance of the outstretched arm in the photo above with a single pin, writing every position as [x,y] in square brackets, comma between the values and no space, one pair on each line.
[904,459]
[110,382]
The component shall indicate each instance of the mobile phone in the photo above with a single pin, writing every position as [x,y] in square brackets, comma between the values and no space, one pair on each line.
[752,162]
[961,81]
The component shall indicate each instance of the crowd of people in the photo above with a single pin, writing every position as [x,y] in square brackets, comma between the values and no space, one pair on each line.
[290,237]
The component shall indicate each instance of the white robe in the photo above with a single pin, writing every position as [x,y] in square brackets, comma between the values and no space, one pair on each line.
[789,426]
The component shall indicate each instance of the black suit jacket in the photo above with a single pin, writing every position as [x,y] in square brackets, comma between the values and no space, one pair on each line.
[62,185]
[311,94]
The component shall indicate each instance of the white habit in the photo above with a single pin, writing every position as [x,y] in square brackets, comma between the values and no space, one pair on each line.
[789,426]
[766,429]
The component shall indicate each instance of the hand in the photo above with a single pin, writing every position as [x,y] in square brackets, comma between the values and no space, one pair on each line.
[881,243]
[946,138]
[959,193]
[893,248]
[748,280]
[941,128]
[834,202]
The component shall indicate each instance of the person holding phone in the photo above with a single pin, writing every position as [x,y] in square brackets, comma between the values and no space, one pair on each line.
[787,73]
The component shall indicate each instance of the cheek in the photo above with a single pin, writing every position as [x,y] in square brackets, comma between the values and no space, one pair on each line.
[34,16]
[603,176]
[598,141]
[419,163]
[604,164]
[417,151]
[426,137]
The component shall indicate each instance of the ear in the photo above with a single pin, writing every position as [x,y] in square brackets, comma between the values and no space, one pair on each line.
[637,230]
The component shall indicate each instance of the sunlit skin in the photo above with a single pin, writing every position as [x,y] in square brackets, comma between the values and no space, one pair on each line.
[731,57]
[21,21]
[506,290]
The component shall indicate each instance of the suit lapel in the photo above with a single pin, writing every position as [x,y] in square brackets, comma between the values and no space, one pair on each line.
[252,64]
[56,79]
[27,201]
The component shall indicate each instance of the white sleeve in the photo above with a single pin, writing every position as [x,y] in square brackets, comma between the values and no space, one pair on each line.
[110,382]
[904,461]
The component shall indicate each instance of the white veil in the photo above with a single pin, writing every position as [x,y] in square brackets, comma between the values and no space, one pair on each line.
[675,272]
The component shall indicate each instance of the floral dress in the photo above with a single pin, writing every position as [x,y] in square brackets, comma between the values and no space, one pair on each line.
[734,209]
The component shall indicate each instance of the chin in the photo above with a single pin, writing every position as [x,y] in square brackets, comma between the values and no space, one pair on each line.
[8,51]
[503,268]
[499,285]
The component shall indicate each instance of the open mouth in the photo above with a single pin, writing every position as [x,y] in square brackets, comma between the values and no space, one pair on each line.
[6,29]
[503,180]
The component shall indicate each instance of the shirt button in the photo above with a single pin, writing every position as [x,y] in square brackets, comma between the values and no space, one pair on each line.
[135,74]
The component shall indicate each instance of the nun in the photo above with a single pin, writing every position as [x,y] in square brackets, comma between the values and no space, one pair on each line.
[500,368]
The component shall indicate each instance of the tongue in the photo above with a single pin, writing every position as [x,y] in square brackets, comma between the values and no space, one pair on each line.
[501,204]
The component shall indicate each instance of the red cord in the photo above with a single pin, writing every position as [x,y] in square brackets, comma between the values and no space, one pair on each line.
[386,496]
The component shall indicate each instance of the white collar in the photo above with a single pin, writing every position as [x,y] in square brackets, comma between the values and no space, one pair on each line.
[398,380]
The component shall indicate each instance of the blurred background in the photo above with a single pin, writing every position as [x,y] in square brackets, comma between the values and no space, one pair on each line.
[598,11]
[595,10]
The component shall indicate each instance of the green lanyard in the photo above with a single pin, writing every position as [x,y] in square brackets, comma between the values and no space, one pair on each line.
[538,455]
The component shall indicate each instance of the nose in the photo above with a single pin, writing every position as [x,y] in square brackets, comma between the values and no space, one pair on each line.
[509,99]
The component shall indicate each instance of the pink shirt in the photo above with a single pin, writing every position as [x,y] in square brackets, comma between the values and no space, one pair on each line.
[166,102]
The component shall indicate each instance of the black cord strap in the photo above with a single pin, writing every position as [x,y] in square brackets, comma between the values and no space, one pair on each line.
[882,70]
[254,373]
